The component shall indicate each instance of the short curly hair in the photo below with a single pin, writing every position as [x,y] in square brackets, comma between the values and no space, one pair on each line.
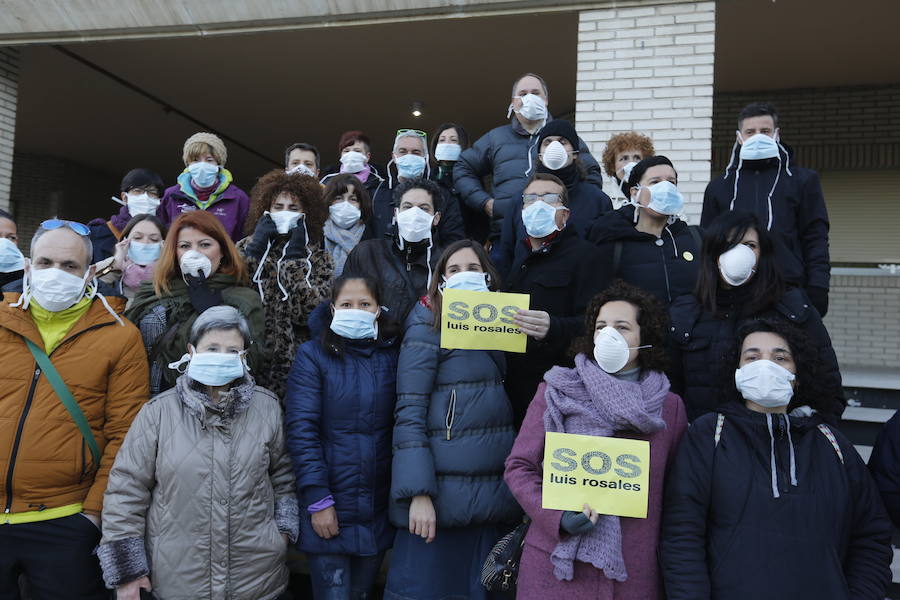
[621,142]
[302,187]
[653,319]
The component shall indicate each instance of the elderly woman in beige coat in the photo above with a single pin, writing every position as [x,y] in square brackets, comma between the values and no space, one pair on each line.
[200,502]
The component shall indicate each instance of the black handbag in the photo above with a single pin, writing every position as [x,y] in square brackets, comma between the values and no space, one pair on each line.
[501,567]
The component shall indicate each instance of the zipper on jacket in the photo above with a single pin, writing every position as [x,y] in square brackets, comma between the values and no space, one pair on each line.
[451,414]
[662,253]
[15,449]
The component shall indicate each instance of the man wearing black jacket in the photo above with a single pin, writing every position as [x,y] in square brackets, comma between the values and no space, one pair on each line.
[761,179]
[556,268]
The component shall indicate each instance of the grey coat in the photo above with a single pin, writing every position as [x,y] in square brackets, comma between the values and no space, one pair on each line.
[200,495]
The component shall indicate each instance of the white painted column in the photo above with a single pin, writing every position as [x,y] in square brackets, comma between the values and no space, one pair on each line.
[9,87]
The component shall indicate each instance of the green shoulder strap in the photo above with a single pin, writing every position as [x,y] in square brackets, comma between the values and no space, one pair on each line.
[66,397]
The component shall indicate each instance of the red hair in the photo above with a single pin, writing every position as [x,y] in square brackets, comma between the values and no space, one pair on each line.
[168,267]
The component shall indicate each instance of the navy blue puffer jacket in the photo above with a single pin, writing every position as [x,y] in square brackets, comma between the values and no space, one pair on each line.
[453,431]
[338,422]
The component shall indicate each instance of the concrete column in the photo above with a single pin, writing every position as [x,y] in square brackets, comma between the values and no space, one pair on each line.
[649,68]
[9,88]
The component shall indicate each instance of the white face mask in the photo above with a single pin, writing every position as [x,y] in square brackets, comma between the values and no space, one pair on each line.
[301,169]
[414,224]
[344,214]
[213,368]
[448,152]
[758,147]
[626,170]
[142,204]
[765,383]
[554,156]
[285,220]
[533,108]
[353,162]
[54,289]
[611,351]
[11,258]
[472,281]
[193,263]
[737,265]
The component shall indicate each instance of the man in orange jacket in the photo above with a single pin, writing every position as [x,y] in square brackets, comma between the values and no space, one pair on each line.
[53,471]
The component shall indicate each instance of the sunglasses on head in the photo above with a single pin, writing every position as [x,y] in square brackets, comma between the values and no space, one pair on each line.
[418,132]
[79,228]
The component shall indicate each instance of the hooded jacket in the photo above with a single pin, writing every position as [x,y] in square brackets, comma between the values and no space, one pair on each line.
[453,430]
[450,228]
[885,466]
[796,213]
[666,266]
[105,234]
[200,496]
[228,203]
[44,461]
[700,341]
[509,155]
[770,506]
[403,274]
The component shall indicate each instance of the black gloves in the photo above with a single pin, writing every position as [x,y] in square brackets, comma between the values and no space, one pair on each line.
[202,297]
[264,232]
[575,523]
[819,298]
[296,247]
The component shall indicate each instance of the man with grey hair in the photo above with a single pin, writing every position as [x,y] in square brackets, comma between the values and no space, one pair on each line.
[74,376]
[410,160]
[508,154]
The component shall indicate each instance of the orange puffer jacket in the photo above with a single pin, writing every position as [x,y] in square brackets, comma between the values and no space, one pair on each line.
[44,461]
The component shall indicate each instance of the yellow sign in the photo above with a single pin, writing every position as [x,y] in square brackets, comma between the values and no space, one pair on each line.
[482,320]
[612,475]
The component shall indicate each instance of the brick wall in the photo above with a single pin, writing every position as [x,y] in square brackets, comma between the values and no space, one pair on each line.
[9,88]
[827,128]
[649,68]
[863,319]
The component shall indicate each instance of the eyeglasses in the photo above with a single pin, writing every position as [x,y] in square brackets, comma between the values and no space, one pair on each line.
[417,132]
[548,198]
[150,191]
[79,228]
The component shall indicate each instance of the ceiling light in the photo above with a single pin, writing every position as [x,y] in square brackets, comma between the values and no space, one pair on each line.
[417,107]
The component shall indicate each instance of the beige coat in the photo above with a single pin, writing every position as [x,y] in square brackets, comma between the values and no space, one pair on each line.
[200,496]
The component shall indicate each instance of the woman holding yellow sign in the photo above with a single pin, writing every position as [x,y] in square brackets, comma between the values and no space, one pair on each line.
[453,430]
[616,389]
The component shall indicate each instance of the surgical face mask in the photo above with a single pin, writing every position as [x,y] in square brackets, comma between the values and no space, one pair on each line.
[285,220]
[344,214]
[142,204]
[626,171]
[665,198]
[447,152]
[301,169]
[554,156]
[410,166]
[142,253]
[533,107]
[611,351]
[353,162]
[472,281]
[193,263]
[215,368]
[758,147]
[765,383]
[11,258]
[737,265]
[354,324]
[203,174]
[540,219]
[414,224]
[54,289]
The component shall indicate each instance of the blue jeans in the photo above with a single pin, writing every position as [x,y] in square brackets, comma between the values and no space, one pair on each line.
[342,576]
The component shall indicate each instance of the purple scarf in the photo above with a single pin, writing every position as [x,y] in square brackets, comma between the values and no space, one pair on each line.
[588,401]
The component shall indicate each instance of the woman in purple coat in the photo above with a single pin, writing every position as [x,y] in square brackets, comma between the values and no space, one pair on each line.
[617,388]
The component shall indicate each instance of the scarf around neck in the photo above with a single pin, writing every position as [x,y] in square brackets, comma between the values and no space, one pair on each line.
[339,242]
[586,400]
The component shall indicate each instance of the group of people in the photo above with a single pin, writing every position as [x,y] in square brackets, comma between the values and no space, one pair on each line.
[208,378]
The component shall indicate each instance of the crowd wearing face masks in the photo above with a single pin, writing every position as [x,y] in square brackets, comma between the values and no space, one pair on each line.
[210,394]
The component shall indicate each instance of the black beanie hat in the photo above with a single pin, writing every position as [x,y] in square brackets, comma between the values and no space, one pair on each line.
[639,169]
[561,128]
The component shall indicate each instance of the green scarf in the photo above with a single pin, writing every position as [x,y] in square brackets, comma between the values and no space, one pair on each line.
[180,316]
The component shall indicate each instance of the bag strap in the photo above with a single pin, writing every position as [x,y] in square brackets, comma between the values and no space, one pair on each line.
[617,257]
[720,424]
[695,235]
[826,431]
[66,397]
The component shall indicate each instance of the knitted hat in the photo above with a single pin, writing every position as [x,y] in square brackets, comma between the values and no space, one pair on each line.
[561,128]
[218,146]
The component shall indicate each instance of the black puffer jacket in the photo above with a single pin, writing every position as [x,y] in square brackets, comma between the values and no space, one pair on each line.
[560,278]
[450,227]
[403,274]
[666,266]
[728,535]
[885,466]
[796,214]
[700,341]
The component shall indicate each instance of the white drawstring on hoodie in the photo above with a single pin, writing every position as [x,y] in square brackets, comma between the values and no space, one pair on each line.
[737,176]
[257,276]
[773,463]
